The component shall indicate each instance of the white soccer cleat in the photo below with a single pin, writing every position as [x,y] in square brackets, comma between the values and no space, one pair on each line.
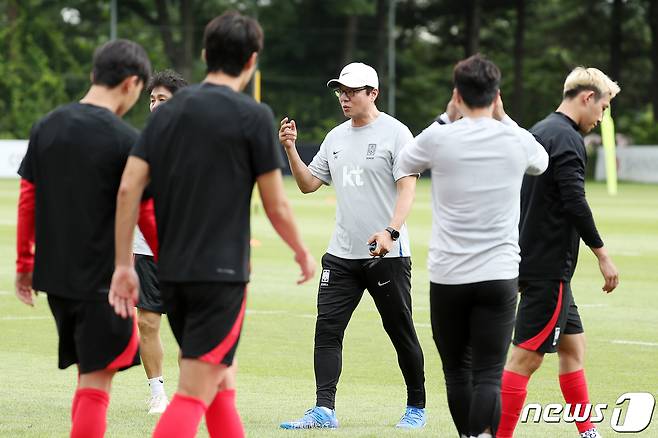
[591,433]
[158,404]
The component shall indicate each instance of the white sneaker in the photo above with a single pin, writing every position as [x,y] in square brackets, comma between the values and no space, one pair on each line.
[158,403]
[591,433]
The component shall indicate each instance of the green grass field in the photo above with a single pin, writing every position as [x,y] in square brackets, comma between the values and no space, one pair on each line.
[276,351]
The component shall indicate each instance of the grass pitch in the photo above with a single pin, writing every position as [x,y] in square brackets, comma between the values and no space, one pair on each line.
[276,351]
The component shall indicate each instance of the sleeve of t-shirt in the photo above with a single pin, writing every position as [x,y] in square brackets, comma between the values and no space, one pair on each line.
[416,156]
[143,143]
[537,155]
[319,166]
[25,170]
[404,138]
[264,148]
[569,173]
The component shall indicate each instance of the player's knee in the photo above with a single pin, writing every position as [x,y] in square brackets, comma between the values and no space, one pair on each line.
[149,325]
[524,362]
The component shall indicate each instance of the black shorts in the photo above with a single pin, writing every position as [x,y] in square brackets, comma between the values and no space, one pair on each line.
[92,335]
[546,311]
[206,318]
[150,297]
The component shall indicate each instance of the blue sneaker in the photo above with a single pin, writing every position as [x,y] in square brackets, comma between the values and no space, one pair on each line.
[413,418]
[318,417]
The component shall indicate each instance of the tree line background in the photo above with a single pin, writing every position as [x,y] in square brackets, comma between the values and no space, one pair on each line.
[46,48]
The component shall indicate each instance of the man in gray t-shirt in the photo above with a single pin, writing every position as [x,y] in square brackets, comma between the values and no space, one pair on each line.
[360,159]
[477,165]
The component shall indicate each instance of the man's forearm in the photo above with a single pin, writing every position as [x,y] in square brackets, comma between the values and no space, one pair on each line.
[299,170]
[404,201]
[126,219]
[283,221]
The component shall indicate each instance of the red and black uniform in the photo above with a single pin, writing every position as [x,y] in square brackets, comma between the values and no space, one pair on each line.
[205,149]
[554,217]
[71,173]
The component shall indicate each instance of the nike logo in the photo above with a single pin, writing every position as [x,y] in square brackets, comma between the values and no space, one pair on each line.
[336,152]
[380,284]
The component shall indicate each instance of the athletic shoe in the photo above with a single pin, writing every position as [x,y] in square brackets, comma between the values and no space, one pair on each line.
[591,433]
[317,417]
[413,418]
[158,404]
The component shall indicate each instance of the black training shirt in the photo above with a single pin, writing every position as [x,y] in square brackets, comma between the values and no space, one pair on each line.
[205,148]
[75,159]
[554,212]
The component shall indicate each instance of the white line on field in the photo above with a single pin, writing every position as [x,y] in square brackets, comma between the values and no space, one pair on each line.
[21,318]
[589,306]
[266,312]
[644,344]
[6,292]
[422,325]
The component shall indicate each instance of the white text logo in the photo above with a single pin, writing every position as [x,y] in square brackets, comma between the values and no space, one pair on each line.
[636,414]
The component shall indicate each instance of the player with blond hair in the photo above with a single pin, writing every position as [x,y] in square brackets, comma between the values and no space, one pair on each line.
[555,215]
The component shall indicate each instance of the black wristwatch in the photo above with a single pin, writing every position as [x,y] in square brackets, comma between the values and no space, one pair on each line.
[395,234]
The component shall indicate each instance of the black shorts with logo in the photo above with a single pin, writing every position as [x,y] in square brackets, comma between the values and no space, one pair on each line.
[150,297]
[206,318]
[92,335]
[546,311]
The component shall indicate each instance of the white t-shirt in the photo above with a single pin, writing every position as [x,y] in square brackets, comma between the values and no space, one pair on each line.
[477,168]
[139,244]
[362,163]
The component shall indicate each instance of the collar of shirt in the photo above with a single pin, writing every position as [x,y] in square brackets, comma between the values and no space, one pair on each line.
[573,124]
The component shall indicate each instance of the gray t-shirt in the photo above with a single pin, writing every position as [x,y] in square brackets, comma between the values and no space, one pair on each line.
[362,163]
[477,168]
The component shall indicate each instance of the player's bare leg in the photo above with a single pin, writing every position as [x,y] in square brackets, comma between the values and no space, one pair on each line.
[571,353]
[152,354]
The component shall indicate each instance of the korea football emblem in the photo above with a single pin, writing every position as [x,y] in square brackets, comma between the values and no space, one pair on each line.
[372,148]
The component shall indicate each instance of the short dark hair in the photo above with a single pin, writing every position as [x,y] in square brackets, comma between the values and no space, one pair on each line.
[477,79]
[229,40]
[169,79]
[117,60]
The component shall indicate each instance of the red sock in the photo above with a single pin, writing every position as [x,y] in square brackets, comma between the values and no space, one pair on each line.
[513,392]
[574,390]
[222,418]
[74,405]
[181,419]
[89,413]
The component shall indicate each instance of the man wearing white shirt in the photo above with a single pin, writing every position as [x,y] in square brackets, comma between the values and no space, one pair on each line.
[477,165]
[161,87]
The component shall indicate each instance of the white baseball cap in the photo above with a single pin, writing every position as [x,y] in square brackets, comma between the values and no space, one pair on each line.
[355,75]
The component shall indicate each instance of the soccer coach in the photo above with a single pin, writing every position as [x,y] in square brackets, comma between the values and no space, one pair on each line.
[360,158]
[477,165]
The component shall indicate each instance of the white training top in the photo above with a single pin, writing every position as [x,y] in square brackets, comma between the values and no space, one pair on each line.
[362,163]
[477,168]
[139,244]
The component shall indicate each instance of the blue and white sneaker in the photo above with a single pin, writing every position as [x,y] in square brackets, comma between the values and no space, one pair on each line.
[317,417]
[413,418]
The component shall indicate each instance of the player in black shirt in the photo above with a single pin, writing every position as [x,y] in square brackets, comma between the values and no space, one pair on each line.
[554,217]
[70,177]
[202,152]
